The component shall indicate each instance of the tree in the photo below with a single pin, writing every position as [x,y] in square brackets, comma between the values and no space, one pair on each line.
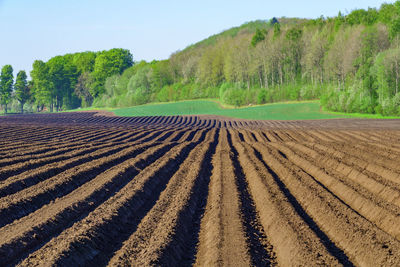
[339,20]
[6,85]
[395,28]
[108,63]
[277,30]
[42,89]
[57,78]
[204,71]
[82,89]
[258,37]
[84,62]
[63,75]
[160,74]
[362,16]
[314,55]
[334,61]
[189,68]
[242,61]
[22,90]
[294,51]
[139,86]
[372,43]
[386,70]
[386,13]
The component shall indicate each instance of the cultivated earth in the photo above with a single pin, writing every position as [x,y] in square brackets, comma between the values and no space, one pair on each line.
[92,189]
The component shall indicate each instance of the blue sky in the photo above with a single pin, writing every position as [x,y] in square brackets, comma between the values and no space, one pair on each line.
[153,29]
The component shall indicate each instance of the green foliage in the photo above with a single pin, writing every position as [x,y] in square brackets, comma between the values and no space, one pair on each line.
[387,13]
[258,37]
[85,61]
[394,27]
[6,85]
[386,72]
[263,97]
[22,90]
[361,16]
[161,74]
[82,89]
[293,34]
[108,63]
[277,30]
[63,76]
[73,80]
[42,86]
[140,81]
[339,20]
[235,97]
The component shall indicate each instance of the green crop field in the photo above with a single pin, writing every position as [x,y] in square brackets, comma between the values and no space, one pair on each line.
[279,111]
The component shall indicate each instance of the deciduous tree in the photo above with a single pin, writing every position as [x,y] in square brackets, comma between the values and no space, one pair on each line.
[22,90]
[6,85]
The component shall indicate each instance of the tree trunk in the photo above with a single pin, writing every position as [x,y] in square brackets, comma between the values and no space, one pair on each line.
[5,108]
[22,107]
[272,79]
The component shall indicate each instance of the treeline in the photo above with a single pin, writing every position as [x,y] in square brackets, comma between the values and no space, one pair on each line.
[64,82]
[351,62]
[74,80]
[204,70]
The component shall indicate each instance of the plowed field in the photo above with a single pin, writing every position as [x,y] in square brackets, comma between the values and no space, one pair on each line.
[91,189]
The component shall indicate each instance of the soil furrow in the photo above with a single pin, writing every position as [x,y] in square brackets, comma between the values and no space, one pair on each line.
[254,231]
[20,204]
[32,177]
[325,240]
[384,219]
[37,228]
[358,237]
[377,179]
[146,248]
[222,237]
[280,218]
[125,210]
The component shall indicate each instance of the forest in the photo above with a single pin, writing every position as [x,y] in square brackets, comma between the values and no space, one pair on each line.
[62,83]
[350,62]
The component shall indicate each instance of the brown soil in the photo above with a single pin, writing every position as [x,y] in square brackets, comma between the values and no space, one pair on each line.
[95,189]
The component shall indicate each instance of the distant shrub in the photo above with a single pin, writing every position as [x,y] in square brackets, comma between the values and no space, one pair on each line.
[236,97]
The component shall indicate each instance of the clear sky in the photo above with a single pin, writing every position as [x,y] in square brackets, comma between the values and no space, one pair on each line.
[152,29]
